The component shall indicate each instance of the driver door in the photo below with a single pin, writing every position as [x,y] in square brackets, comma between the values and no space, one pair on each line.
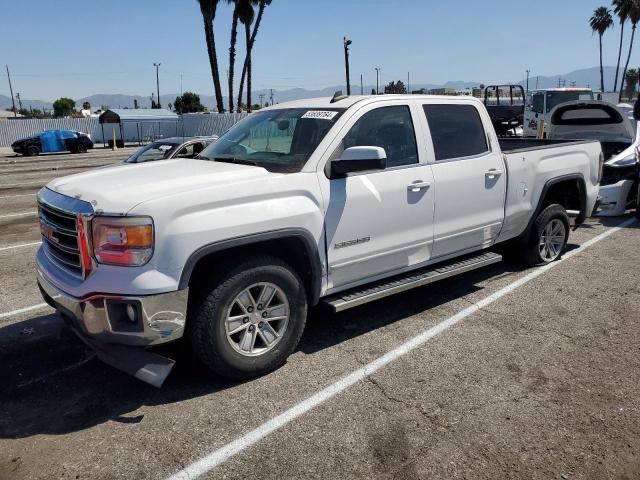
[381,222]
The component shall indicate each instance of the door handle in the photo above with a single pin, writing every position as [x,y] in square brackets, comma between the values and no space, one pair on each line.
[493,173]
[418,185]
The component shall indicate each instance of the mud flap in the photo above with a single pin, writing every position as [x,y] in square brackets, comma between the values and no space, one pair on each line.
[149,367]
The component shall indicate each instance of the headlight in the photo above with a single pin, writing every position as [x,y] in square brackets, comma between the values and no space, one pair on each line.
[124,241]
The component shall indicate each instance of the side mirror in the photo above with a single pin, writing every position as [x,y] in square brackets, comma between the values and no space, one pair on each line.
[359,159]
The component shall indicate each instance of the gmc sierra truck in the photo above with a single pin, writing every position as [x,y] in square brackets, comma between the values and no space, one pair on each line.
[339,201]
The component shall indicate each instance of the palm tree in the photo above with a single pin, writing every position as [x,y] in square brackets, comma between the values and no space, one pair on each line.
[232,49]
[250,38]
[243,12]
[634,17]
[621,9]
[600,22]
[208,9]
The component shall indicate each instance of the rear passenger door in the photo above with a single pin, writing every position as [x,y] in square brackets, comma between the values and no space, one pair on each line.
[470,181]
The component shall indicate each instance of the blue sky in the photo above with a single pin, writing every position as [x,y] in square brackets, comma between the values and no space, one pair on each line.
[77,47]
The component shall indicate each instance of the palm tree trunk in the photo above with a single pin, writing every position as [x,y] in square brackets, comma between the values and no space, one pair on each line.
[208,9]
[248,35]
[615,82]
[242,77]
[601,70]
[247,58]
[626,65]
[232,54]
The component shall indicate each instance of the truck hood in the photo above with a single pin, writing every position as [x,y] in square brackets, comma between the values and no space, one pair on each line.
[119,188]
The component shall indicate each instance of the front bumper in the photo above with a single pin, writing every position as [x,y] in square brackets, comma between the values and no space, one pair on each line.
[614,198]
[103,319]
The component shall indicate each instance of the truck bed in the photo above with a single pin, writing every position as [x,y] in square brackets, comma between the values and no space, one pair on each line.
[513,145]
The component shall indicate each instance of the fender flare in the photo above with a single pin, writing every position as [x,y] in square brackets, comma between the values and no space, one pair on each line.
[582,191]
[305,236]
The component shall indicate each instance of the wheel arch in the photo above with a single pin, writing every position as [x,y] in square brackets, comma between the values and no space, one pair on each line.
[570,191]
[295,246]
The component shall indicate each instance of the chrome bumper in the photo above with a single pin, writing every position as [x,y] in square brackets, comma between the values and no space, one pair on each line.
[102,318]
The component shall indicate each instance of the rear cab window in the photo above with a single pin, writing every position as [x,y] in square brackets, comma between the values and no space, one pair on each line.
[456,131]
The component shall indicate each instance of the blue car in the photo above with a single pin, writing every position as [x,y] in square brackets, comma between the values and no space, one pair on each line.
[51,141]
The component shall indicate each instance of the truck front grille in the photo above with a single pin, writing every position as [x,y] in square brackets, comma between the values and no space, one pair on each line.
[60,237]
[59,216]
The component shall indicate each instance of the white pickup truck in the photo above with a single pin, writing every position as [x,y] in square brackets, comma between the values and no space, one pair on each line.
[339,201]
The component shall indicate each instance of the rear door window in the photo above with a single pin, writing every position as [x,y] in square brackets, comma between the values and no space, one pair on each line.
[456,131]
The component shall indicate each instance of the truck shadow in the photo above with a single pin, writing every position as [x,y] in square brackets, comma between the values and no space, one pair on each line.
[50,383]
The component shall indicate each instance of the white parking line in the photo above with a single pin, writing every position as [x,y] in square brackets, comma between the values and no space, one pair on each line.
[22,245]
[222,454]
[22,214]
[20,195]
[39,182]
[23,310]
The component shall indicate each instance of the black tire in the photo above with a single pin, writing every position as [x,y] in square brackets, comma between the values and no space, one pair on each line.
[81,148]
[32,151]
[638,202]
[530,252]
[207,316]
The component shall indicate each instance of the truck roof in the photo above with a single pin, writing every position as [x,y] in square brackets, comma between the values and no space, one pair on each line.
[348,101]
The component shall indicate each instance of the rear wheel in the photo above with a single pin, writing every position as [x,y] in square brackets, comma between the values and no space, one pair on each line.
[32,151]
[638,202]
[81,148]
[248,321]
[549,236]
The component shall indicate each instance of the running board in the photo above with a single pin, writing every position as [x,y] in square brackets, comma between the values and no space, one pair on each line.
[400,283]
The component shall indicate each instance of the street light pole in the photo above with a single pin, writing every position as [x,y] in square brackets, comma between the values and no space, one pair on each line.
[346,62]
[377,82]
[13,102]
[157,65]
[528,72]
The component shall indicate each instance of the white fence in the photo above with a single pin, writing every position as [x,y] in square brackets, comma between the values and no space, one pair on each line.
[189,125]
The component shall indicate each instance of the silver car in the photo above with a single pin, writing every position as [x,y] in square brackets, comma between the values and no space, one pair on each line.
[174,147]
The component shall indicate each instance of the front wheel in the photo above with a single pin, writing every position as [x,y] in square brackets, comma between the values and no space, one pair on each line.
[32,151]
[81,148]
[248,321]
[549,236]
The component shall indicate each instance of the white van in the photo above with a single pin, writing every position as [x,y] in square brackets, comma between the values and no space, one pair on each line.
[541,102]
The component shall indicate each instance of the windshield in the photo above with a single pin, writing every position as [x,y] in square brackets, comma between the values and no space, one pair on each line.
[556,98]
[153,151]
[277,140]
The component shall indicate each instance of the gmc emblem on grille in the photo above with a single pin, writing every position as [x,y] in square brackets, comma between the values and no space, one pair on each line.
[48,232]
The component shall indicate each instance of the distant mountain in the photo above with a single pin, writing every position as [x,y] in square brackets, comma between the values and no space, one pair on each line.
[5,102]
[582,78]
[588,77]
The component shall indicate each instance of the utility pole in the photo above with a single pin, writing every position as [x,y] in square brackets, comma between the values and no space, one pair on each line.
[261,96]
[13,102]
[180,84]
[408,90]
[377,80]
[361,86]
[537,78]
[271,96]
[157,65]
[346,62]
[19,100]
[528,72]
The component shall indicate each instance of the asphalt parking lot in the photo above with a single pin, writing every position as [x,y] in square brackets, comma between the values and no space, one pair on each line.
[524,374]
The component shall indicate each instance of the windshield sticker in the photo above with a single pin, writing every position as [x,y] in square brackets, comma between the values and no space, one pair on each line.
[320,114]
[164,148]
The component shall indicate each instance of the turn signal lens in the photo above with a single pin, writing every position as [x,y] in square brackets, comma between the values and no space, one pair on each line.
[126,241]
